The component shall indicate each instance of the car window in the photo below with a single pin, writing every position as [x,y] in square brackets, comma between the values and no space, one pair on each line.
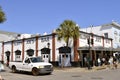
[36,59]
[27,61]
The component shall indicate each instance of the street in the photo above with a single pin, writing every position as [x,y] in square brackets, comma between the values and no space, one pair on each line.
[65,74]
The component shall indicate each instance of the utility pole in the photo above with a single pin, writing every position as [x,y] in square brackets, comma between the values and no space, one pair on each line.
[90,42]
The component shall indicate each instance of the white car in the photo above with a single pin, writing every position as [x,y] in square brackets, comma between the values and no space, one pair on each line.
[1,67]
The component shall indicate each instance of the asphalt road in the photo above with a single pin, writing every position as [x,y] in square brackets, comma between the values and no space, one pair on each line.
[65,74]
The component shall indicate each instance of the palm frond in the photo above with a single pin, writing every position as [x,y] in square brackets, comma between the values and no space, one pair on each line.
[2,16]
[67,30]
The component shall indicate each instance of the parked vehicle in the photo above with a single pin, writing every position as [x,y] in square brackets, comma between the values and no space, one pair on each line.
[1,67]
[32,64]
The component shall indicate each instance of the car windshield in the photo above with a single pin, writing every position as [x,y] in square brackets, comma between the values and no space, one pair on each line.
[36,59]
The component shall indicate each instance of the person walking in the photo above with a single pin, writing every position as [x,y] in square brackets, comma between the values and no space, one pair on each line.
[111,62]
[99,61]
[89,63]
[85,61]
[115,62]
[103,61]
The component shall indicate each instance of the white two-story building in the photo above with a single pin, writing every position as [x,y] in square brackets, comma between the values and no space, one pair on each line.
[56,52]
[110,30]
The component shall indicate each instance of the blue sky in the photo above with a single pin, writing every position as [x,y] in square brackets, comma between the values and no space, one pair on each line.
[39,16]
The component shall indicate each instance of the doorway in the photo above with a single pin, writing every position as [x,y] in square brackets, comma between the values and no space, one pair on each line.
[8,57]
[45,53]
[45,57]
[65,59]
[65,56]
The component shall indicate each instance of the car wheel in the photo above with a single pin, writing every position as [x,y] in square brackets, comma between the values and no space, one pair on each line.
[35,71]
[14,69]
[49,73]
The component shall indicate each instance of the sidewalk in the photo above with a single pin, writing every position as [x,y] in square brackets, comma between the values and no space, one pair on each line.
[79,69]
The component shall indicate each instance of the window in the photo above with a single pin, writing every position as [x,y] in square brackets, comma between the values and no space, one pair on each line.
[36,59]
[46,56]
[17,55]
[66,56]
[83,36]
[119,36]
[115,33]
[98,39]
[115,36]
[30,52]
[106,35]
[107,41]
[27,61]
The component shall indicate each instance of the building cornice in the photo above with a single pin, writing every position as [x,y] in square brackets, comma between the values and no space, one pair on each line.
[113,23]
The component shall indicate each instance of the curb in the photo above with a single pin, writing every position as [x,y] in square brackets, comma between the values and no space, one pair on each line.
[80,69]
[100,68]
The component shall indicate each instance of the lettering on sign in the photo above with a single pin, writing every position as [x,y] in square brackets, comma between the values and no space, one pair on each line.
[30,41]
[17,43]
[44,39]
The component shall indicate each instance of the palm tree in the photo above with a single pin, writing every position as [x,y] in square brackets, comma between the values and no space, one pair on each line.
[2,16]
[68,30]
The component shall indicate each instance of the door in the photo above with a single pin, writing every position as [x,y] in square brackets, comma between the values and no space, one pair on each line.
[26,65]
[84,60]
[67,60]
[45,57]
[45,53]
[8,57]
[64,60]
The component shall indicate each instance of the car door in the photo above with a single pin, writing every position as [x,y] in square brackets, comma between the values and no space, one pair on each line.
[27,65]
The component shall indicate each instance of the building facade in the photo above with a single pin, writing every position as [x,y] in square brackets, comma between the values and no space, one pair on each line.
[110,30]
[56,52]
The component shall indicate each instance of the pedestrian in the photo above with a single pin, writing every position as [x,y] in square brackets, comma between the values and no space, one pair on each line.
[115,62]
[103,61]
[99,61]
[111,62]
[85,60]
[89,63]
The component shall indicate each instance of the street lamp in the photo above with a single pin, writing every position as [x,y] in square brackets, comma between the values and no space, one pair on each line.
[48,44]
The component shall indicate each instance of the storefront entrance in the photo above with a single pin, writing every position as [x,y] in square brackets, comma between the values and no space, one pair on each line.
[8,57]
[86,58]
[45,57]
[64,59]
[65,56]
[45,53]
